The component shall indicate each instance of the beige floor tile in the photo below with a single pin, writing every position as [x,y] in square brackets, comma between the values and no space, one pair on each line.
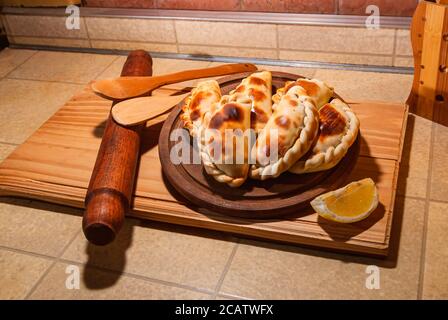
[19,273]
[63,66]
[5,150]
[336,39]
[355,85]
[194,258]
[44,26]
[413,175]
[404,62]
[11,58]
[96,284]
[267,271]
[249,35]
[403,43]
[306,72]
[164,66]
[220,297]
[114,69]
[154,30]
[25,105]
[435,281]
[439,176]
[36,226]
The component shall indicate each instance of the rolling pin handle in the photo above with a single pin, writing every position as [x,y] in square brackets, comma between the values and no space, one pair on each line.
[112,182]
[102,223]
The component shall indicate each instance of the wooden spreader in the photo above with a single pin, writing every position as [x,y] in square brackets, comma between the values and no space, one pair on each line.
[55,164]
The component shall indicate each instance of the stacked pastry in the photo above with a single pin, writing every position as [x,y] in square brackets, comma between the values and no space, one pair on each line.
[298,129]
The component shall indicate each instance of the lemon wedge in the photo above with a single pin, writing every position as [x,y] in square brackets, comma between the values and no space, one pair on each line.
[351,203]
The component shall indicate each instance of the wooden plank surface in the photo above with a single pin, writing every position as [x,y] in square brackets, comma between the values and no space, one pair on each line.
[55,165]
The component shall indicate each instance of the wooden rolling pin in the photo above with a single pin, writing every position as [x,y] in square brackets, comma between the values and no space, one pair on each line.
[112,182]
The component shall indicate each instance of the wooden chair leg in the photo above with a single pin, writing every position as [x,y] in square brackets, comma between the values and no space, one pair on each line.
[429,37]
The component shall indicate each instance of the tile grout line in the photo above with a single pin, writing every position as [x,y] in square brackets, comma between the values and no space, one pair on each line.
[175,36]
[7,26]
[49,37]
[19,65]
[93,39]
[52,81]
[438,201]
[277,42]
[87,32]
[3,21]
[140,277]
[106,67]
[29,253]
[426,216]
[231,296]
[226,269]
[103,269]
[394,48]
[411,197]
[46,272]
[10,143]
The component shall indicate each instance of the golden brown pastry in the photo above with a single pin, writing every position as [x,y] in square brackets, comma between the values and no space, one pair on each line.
[339,128]
[292,128]
[315,89]
[203,99]
[258,87]
[223,158]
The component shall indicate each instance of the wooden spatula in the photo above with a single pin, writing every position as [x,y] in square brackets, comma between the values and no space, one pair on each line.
[138,110]
[128,87]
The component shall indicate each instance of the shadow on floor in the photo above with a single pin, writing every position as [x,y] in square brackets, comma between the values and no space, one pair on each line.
[109,257]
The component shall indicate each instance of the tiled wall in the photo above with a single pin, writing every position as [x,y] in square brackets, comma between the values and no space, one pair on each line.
[357,45]
[357,7]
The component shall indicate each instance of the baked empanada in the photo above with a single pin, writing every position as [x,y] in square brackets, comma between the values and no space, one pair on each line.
[203,99]
[339,128]
[224,158]
[317,90]
[292,129]
[258,86]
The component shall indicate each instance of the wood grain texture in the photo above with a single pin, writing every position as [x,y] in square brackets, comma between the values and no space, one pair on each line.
[139,110]
[417,28]
[429,38]
[56,162]
[111,185]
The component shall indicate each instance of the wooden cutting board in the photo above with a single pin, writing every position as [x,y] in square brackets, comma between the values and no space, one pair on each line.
[56,162]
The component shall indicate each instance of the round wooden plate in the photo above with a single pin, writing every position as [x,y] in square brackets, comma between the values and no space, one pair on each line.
[255,199]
